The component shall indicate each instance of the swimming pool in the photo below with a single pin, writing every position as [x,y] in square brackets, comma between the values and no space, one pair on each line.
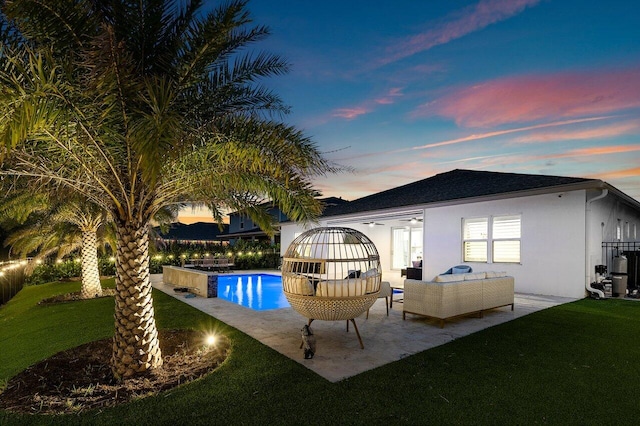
[259,292]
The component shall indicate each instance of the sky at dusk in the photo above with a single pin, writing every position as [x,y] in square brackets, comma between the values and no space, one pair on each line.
[404,90]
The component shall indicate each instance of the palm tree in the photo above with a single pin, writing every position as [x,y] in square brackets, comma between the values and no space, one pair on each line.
[40,224]
[140,105]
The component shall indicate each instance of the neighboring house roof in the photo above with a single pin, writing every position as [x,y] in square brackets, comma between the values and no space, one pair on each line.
[199,231]
[466,186]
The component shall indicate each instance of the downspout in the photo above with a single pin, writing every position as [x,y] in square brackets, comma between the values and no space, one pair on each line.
[587,235]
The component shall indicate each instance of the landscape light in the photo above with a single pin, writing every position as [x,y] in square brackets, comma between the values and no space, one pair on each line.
[210,340]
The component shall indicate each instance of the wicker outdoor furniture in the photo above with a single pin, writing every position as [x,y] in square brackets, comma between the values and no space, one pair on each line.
[332,274]
[451,296]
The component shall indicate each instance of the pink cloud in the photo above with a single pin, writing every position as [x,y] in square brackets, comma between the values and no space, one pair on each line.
[368,105]
[602,132]
[620,174]
[390,97]
[349,113]
[470,19]
[532,98]
[595,151]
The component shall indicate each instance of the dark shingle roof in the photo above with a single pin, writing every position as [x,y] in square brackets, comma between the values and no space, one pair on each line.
[454,185]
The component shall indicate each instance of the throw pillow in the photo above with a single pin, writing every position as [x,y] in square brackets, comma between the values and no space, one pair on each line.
[353,274]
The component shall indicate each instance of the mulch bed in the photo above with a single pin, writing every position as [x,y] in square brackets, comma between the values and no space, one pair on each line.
[72,297]
[80,379]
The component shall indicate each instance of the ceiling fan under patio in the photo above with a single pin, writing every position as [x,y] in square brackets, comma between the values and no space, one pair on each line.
[372,224]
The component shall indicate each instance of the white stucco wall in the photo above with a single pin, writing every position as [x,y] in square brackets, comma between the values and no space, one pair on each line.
[552,242]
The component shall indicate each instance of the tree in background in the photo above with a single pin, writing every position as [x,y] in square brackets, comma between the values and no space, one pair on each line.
[140,105]
[49,227]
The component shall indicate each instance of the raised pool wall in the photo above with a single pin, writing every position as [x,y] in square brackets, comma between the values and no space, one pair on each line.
[200,283]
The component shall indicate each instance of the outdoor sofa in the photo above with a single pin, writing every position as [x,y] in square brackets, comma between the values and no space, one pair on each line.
[455,295]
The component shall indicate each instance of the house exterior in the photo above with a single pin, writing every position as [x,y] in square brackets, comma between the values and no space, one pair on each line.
[242,227]
[546,231]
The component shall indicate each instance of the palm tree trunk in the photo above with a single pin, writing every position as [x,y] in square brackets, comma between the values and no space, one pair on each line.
[135,344]
[90,273]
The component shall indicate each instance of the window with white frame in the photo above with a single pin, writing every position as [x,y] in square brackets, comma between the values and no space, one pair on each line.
[475,235]
[495,237]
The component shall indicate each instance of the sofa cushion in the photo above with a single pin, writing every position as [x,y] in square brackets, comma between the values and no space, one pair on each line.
[474,276]
[459,270]
[492,274]
[448,278]
[342,288]
[298,284]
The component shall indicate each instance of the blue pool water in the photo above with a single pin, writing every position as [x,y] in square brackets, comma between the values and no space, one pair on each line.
[259,292]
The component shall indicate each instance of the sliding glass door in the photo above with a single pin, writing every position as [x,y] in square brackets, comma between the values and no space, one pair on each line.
[406,246]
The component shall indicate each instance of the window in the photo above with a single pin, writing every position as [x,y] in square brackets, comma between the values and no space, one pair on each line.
[503,240]
[506,239]
[475,239]
[619,231]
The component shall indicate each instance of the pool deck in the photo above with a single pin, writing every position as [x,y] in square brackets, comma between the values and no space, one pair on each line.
[338,355]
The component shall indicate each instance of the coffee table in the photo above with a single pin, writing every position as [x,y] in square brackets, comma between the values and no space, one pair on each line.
[396,286]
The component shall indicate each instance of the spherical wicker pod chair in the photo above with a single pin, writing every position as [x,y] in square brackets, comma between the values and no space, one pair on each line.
[332,274]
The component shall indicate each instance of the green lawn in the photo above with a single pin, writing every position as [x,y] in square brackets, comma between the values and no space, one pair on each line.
[577,363]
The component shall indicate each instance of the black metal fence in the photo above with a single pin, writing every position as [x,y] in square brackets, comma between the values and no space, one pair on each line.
[11,280]
[631,250]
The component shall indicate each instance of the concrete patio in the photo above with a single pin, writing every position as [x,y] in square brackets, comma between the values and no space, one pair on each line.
[338,354]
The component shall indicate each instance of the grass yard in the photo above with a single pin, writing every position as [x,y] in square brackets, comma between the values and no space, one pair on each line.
[577,364]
